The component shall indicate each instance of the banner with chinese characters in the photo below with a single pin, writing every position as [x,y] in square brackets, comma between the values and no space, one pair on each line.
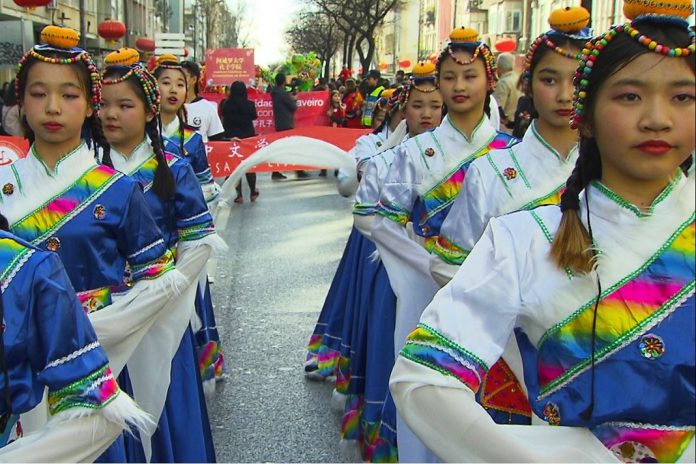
[226,65]
[11,149]
[224,157]
[311,109]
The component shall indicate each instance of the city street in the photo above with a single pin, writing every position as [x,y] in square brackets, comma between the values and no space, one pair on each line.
[268,291]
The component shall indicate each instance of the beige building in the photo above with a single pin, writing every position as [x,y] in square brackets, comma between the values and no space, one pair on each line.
[21,27]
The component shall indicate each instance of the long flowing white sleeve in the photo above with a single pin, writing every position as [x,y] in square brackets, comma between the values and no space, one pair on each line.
[445,416]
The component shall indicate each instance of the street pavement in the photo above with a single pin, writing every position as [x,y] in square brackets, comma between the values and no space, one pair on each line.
[268,291]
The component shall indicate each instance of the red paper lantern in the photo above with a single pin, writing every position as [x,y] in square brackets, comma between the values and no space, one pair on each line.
[383,66]
[144,44]
[111,30]
[32,4]
[405,63]
[433,57]
[505,45]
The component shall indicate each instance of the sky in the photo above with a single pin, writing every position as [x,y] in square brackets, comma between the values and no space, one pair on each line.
[267,21]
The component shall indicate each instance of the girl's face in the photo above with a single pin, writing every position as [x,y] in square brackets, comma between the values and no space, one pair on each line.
[172,84]
[423,110]
[55,103]
[123,115]
[552,89]
[463,87]
[378,118]
[643,119]
[336,98]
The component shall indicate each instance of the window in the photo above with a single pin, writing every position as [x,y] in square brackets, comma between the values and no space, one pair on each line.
[513,21]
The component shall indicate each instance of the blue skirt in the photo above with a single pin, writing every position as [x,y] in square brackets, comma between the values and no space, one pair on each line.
[208,346]
[329,333]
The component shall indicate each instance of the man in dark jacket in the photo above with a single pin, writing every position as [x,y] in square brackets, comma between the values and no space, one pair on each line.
[284,107]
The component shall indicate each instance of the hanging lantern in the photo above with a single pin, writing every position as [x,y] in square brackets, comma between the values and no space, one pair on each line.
[383,66]
[111,30]
[505,45]
[145,45]
[433,57]
[31,5]
[405,64]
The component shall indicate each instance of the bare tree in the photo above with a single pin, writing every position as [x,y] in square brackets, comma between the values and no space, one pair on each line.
[363,17]
[233,20]
[318,33]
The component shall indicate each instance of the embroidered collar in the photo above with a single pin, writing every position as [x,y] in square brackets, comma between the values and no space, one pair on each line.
[129,164]
[539,146]
[75,157]
[171,129]
[609,205]
[481,135]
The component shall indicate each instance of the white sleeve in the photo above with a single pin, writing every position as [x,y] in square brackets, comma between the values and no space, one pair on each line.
[364,224]
[446,417]
[214,124]
[398,192]
[367,196]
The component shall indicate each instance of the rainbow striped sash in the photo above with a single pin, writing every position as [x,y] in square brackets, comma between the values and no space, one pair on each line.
[46,219]
[633,305]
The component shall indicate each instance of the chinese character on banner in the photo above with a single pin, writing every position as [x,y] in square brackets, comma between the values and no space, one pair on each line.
[234,151]
[225,65]
[261,143]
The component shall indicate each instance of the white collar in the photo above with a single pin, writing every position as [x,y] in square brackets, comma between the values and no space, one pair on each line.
[77,159]
[480,136]
[540,148]
[171,129]
[130,164]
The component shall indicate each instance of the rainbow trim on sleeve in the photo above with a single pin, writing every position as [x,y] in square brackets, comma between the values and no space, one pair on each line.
[364,209]
[633,305]
[428,347]
[197,231]
[449,252]
[94,391]
[45,220]
[393,212]
[153,269]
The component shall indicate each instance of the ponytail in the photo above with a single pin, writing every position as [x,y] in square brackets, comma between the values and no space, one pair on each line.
[163,184]
[573,247]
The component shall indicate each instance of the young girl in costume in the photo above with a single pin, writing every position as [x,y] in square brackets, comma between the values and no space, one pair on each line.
[343,298]
[179,137]
[599,292]
[130,116]
[184,140]
[534,171]
[423,181]
[384,124]
[421,104]
[60,199]
[47,342]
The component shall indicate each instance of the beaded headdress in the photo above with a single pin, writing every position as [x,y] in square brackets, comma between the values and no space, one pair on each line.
[421,73]
[59,46]
[569,22]
[127,59]
[168,61]
[673,12]
[467,38]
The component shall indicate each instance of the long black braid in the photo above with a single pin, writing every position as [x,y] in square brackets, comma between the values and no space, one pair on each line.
[163,184]
[99,139]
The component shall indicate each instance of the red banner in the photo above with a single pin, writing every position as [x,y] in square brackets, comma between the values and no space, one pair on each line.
[11,149]
[311,109]
[224,157]
[226,65]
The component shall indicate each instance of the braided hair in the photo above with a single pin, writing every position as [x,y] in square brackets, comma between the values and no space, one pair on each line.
[145,87]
